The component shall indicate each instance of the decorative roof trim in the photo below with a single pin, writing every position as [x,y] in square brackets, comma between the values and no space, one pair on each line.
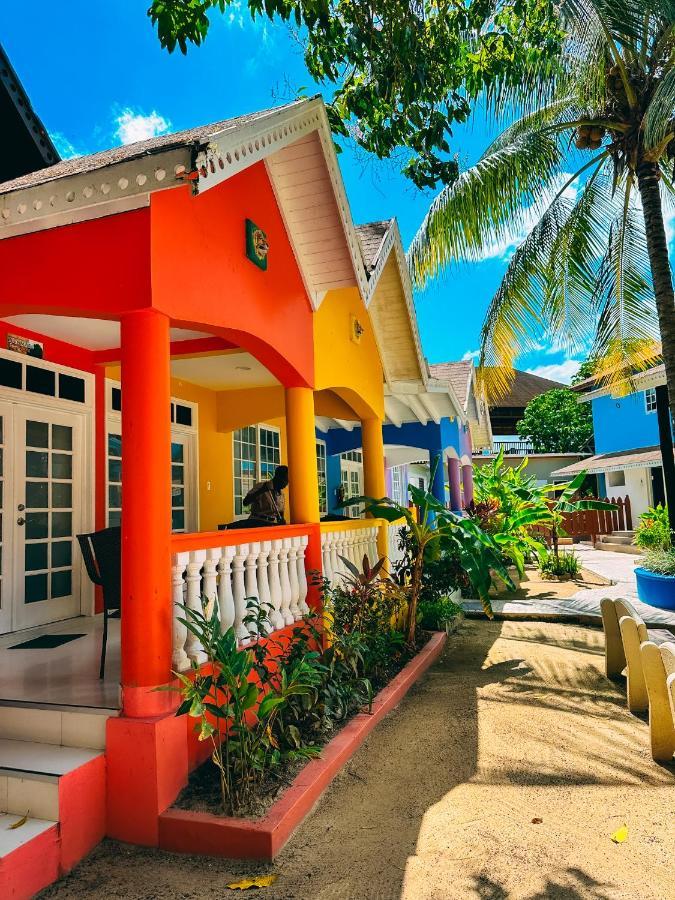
[91,195]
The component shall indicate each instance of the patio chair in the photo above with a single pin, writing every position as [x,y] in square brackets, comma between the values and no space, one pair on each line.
[102,553]
[658,665]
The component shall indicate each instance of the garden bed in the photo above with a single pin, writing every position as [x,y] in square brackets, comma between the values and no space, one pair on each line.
[200,831]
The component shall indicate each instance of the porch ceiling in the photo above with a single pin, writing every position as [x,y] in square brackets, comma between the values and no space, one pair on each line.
[91,334]
[410,402]
[227,371]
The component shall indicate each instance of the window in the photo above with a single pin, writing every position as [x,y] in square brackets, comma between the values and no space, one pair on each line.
[397,488]
[114,479]
[351,479]
[322,476]
[257,453]
[650,400]
[42,379]
[616,479]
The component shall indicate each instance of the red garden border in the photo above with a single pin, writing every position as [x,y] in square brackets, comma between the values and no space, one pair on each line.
[183,831]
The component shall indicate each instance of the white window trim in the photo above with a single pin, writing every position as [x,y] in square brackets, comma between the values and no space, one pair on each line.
[323,512]
[650,391]
[258,473]
[113,422]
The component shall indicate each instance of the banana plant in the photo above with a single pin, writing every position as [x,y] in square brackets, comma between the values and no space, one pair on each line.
[565,502]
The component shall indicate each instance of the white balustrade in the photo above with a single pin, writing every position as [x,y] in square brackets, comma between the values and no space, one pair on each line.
[351,544]
[271,571]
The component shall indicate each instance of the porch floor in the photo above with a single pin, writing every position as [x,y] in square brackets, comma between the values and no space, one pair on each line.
[66,675]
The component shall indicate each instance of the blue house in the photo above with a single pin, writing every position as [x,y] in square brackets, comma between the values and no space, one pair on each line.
[628,459]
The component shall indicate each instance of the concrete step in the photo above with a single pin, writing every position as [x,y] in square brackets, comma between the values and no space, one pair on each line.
[70,726]
[617,537]
[617,547]
[29,856]
[62,786]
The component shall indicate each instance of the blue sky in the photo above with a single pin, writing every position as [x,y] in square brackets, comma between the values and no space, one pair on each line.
[97,77]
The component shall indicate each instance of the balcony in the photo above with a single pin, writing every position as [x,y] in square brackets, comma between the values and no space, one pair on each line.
[510,448]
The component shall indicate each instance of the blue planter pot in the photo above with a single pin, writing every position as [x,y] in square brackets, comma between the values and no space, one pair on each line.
[656,590]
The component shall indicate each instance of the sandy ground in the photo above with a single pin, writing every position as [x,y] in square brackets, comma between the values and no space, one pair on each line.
[516,722]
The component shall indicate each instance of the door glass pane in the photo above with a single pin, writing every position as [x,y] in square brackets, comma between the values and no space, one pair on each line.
[62,437]
[177,520]
[37,465]
[62,465]
[62,554]
[37,525]
[37,494]
[176,453]
[36,557]
[37,434]
[36,588]
[61,584]
[62,495]
[62,524]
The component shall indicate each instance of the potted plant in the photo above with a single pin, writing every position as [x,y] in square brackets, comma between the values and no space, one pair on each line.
[656,578]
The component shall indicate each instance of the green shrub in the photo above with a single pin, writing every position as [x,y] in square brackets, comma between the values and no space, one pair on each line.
[563,564]
[653,531]
[661,562]
[433,614]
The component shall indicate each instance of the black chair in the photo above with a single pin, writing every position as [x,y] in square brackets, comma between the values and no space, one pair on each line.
[102,553]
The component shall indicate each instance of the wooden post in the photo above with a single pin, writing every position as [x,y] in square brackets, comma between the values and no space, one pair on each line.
[666,445]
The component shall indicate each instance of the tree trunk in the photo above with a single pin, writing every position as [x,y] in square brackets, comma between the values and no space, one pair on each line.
[657,246]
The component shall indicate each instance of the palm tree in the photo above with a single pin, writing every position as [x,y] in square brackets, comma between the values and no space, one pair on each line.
[585,172]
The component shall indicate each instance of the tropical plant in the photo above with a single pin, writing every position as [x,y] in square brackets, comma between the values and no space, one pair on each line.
[566,500]
[555,422]
[433,614]
[653,530]
[236,714]
[431,532]
[565,565]
[589,159]
[403,73]
[660,562]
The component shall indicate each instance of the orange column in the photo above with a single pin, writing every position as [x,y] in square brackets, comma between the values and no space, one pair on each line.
[374,484]
[146,512]
[303,478]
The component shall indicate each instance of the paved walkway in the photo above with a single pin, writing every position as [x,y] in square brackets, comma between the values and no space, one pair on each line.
[586,602]
[501,776]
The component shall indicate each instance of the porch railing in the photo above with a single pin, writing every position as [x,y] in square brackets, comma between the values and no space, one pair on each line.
[234,566]
[347,540]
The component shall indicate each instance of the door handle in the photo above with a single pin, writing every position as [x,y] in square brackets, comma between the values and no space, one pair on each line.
[21,507]
[21,521]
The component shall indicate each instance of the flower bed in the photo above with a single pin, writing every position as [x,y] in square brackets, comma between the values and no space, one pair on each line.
[185,831]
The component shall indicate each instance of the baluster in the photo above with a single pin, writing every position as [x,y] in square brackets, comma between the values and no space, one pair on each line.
[340,549]
[285,583]
[264,585]
[225,598]
[302,575]
[239,592]
[251,583]
[209,576]
[275,584]
[325,555]
[193,646]
[293,578]
[179,658]
[372,552]
[334,560]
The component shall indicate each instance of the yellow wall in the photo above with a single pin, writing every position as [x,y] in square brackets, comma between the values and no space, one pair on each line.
[353,370]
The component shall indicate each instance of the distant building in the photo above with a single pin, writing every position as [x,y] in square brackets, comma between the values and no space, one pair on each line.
[628,458]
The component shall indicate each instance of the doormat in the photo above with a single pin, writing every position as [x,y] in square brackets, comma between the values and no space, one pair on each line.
[46,642]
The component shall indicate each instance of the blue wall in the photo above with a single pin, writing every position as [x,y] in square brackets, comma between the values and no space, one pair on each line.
[622,423]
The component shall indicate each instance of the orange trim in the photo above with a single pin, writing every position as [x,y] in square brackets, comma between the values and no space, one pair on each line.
[61,353]
[189,347]
[206,540]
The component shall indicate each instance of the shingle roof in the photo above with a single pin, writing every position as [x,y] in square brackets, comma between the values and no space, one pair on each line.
[525,387]
[459,376]
[82,164]
[371,237]
[607,462]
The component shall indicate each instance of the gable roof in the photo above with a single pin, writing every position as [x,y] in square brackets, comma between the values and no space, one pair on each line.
[25,146]
[525,387]
[459,374]
[371,238]
[293,141]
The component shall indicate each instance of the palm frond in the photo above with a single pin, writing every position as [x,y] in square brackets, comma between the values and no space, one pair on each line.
[487,205]
[659,120]
[551,114]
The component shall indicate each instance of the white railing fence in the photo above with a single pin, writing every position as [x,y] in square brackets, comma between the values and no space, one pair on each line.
[352,544]
[271,571]
[393,540]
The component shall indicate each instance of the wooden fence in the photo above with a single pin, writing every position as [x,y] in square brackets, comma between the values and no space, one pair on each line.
[592,523]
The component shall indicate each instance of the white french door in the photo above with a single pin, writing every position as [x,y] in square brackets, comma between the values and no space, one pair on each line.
[42,476]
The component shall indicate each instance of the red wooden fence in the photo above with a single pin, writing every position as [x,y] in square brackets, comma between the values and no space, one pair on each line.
[592,522]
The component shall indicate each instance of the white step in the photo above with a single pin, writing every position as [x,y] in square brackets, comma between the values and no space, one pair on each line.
[13,838]
[29,776]
[71,726]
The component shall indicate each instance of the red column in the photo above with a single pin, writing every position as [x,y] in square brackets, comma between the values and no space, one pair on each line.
[454,484]
[146,515]
[467,482]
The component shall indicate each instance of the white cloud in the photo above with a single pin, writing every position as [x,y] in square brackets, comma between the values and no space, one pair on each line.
[563,371]
[471,354]
[64,147]
[134,126]
[509,243]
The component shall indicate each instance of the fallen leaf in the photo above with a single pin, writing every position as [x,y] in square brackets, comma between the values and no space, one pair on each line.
[537,821]
[259,881]
[620,835]
[19,822]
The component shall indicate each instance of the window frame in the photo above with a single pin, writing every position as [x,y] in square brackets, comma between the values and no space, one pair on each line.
[322,475]
[258,463]
[649,406]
